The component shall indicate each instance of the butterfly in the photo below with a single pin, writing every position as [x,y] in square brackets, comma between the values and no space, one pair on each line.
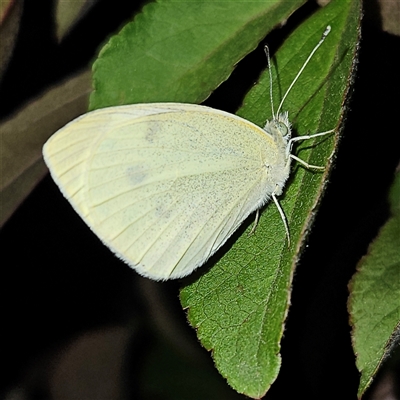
[164,185]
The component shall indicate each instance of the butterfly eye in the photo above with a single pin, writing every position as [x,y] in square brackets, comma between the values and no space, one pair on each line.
[282,128]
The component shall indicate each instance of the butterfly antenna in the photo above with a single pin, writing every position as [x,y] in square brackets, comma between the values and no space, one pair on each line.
[266,50]
[324,35]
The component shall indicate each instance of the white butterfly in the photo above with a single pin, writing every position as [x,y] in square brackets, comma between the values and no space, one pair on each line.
[164,185]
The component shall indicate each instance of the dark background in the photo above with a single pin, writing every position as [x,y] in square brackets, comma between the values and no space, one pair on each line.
[59,282]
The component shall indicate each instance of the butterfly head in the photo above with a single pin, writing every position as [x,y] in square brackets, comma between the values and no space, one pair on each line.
[280,128]
[283,125]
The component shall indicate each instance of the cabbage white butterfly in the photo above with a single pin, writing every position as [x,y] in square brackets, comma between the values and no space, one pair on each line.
[164,185]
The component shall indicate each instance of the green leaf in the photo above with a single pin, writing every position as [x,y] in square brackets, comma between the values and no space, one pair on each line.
[374,302]
[239,306]
[181,51]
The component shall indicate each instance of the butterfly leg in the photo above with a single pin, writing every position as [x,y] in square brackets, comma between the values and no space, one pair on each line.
[282,214]
[283,217]
[306,164]
[253,229]
[305,137]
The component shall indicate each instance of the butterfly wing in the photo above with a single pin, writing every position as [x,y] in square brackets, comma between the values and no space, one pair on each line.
[162,185]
